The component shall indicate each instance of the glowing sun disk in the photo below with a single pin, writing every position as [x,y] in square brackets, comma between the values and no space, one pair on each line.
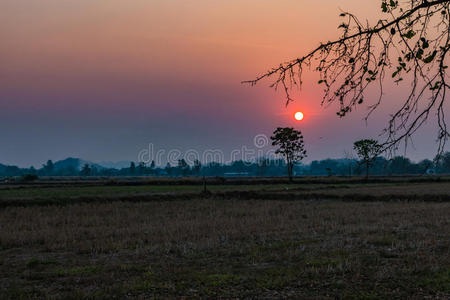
[298,116]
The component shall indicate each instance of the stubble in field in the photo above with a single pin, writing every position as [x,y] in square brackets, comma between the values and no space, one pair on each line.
[226,247]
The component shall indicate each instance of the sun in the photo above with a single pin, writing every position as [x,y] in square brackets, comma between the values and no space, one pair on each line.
[298,116]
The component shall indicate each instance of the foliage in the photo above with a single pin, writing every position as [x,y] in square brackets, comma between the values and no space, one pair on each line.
[132,168]
[86,170]
[48,167]
[197,167]
[367,150]
[409,44]
[264,166]
[290,145]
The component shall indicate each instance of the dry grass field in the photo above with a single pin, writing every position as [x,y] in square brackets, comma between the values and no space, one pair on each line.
[154,241]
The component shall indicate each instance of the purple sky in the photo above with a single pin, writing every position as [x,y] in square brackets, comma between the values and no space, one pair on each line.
[101,80]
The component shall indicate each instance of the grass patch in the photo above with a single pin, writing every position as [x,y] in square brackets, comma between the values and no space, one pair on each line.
[437,281]
[383,241]
[76,271]
[34,263]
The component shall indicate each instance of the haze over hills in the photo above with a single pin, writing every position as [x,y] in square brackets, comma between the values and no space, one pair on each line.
[115,165]
[78,163]
[75,163]
[263,167]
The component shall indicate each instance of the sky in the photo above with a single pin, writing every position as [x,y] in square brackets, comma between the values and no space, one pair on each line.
[104,80]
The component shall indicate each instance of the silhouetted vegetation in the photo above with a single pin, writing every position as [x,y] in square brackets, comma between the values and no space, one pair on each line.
[263,166]
[367,150]
[409,43]
[289,143]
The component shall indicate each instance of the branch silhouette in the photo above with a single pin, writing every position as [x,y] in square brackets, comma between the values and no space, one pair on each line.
[412,42]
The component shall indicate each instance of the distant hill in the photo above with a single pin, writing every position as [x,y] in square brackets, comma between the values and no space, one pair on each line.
[115,165]
[75,163]
[68,163]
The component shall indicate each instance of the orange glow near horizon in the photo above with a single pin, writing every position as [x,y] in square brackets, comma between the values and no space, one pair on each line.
[298,116]
[121,74]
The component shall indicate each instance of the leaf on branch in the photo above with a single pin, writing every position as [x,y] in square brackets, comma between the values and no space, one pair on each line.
[436,86]
[425,43]
[409,34]
[419,53]
[430,58]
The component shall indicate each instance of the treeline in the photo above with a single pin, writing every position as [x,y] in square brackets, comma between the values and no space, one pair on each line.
[263,167]
[381,166]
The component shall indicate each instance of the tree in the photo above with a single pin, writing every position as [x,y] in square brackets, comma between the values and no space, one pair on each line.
[132,168]
[168,169]
[70,171]
[86,170]
[33,170]
[263,165]
[409,44]
[197,167]
[183,167]
[290,145]
[400,165]
[49,168]
[444,162]
[141,168]
[424,165]
[13,171]
[367,150]
[349,159]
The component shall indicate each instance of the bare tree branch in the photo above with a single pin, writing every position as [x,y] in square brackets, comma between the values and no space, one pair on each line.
[410,45]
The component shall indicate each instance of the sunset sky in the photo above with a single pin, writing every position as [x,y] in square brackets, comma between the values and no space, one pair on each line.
[103,79]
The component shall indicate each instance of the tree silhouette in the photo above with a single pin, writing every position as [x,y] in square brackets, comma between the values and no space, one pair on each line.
[367,150]
[263,165]
[444,162]
[141,168]
[290,146]
[400,165]
[132,168]
[183,167]
[168,169]
[49,167]
[410,43]
[197,167]
[424,165]
[86,170]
